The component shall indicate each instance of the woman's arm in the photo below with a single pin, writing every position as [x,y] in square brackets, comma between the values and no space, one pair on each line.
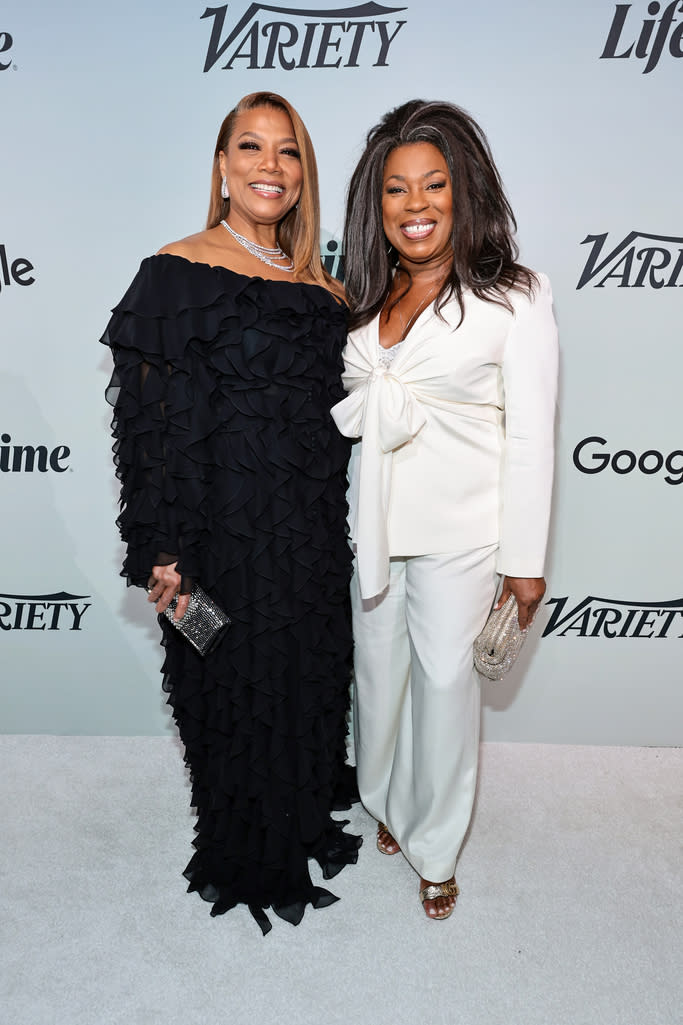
[150,393]
[530,385]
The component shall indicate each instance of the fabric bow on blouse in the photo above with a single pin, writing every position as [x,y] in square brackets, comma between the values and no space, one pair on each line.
[382,408]
[385,406]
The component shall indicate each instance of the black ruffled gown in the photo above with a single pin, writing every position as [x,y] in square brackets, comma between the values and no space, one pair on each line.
[230,462]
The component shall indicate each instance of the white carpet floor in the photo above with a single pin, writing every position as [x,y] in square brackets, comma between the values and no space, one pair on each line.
[569,912]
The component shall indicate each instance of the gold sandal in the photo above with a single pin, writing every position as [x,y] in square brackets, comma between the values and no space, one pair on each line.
[381,827]
[448,889]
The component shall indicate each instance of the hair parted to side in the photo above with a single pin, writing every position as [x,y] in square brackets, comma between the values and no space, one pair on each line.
[299,230]
[484,251]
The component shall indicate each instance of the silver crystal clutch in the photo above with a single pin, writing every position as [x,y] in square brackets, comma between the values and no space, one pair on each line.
[500,642]
[204,622]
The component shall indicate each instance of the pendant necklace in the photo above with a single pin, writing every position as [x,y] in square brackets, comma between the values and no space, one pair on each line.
[405,328]
[262,253]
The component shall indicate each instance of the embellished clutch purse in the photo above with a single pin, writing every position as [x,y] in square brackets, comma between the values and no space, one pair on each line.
[204,622]
[500,642]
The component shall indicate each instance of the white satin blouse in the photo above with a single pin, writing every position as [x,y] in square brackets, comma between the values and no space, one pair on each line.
[456,436]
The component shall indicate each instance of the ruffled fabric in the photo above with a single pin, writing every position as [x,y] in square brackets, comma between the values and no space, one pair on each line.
[227,456]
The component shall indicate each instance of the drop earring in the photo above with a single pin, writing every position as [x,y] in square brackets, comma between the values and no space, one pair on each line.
[225,192]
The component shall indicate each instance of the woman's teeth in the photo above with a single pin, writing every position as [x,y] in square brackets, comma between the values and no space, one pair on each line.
[417,230]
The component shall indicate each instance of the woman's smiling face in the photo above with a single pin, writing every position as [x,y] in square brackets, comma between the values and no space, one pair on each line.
[417,204]
[262,166]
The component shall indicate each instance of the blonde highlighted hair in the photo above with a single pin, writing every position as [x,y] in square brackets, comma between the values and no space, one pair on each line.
[299,230]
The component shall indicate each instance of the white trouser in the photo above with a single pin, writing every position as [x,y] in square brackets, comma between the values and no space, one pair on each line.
[417,702]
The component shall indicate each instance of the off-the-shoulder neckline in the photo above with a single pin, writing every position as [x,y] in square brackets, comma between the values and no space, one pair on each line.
[236,274]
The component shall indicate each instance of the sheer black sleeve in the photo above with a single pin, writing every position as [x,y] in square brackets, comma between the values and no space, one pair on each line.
[155,432]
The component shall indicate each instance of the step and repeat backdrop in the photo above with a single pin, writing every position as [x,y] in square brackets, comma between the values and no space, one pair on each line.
[109,114]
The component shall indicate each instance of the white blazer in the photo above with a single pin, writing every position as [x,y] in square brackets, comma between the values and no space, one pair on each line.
[457,436]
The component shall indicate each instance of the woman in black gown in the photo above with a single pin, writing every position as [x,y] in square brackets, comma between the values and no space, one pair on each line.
[227,361]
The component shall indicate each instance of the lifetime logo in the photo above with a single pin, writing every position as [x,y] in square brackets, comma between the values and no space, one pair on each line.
[650,44]
[638,261]
[607,617]
[27,458]
[60,611]
[17,272]
[303,38]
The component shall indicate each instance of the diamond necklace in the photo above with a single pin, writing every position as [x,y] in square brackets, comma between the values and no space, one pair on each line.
[261,253]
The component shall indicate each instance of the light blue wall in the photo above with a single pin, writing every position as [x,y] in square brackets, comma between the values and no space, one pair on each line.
[108,125]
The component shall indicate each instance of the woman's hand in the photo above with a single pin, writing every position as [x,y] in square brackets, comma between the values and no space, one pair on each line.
[165,583]
[528,591]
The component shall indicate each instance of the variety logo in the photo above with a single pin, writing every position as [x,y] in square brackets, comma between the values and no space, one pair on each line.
[589,457]
[638,261]
[18,272]
[6,42]
[27,458]
[650,42]
[302,37]
[604,617]
[60,611]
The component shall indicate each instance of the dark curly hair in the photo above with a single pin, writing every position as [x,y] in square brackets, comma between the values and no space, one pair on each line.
[484,251]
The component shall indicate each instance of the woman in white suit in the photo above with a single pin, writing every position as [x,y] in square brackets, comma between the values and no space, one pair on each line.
[451,369]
